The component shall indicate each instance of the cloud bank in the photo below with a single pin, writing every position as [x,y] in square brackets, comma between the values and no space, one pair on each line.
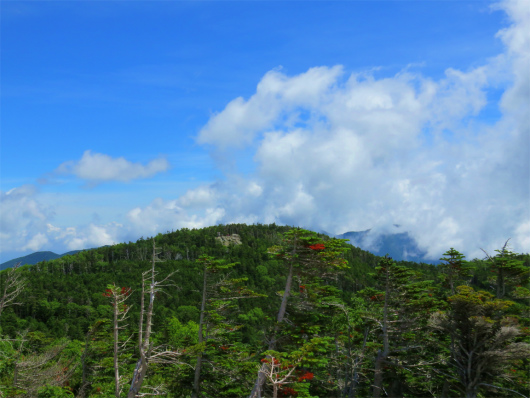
[340,151]
[98,167]
[23,220]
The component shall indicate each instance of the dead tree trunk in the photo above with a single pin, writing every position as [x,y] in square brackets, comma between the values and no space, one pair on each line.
[198,366]
[147,353]
[258,385]
[13,286]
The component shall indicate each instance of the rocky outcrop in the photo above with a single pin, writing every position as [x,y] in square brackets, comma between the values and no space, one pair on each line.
[228,240]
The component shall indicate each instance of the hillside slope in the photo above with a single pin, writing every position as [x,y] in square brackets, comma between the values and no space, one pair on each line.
[35,258]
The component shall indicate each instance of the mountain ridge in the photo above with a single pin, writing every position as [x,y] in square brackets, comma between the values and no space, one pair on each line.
[398,245]
[35,258]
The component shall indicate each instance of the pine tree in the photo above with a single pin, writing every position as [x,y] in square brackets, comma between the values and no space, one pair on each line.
[305,256]
[454,268]
[509,270]
[218,293]
[482,340]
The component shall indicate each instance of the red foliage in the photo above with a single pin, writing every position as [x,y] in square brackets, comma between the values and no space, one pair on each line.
[317,246]
[125,291]
[376,297]
[288,392]
[306,376]
[274,361]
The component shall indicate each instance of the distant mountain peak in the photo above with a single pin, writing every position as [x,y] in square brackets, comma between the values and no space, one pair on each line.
[398,245]
[35,258]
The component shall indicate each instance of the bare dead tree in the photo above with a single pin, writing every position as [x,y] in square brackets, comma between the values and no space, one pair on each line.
[13,285]
[278,373]
[118,296]
[148,353]
[35,370]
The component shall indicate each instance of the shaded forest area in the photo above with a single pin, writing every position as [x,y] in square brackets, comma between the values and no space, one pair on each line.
[279,312]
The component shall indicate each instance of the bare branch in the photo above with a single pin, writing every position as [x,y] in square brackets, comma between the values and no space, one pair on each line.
[502,388]
[13,286]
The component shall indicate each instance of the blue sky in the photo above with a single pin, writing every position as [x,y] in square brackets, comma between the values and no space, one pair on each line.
[125,119]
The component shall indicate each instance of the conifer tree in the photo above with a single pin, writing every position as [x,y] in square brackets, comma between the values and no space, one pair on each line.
[509,270]
[482,341]
[306,256]
[454,268]
[218,291]
[400,310]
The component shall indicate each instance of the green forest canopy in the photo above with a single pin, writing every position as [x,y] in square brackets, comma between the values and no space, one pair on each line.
[371,327]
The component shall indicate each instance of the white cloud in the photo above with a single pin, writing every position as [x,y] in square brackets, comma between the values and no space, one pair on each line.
[162,216]
[26,226]
[357,153]
[238,124]
[198,198]
[343,152]
[98,167]
[91,236]
[36,242]
[22,220]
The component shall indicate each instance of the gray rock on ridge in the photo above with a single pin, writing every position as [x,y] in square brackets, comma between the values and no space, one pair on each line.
[228,240]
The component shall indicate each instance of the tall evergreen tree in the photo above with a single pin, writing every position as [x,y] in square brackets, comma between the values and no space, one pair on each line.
[509,270]
[454,268]
[305,255]
[482,341]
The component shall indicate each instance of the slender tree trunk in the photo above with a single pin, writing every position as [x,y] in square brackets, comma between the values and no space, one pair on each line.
[378,375]
[143,341]
[84,382]
[355,381]
[198,366]
[286,295]
[445,390]
[256,390]
[381,356]
[396,389]
[116,368]
[500,284]
[138,377]
[471,392]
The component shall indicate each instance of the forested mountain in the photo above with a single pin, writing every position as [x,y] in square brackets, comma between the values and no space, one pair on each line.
[263,311]
[35,258]
[398,245]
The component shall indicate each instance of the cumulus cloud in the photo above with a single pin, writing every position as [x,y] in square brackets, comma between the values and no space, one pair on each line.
[276,95]
[340,151]
[165,216]
[22,219]
[88,236]
[98,167]
[351,152]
